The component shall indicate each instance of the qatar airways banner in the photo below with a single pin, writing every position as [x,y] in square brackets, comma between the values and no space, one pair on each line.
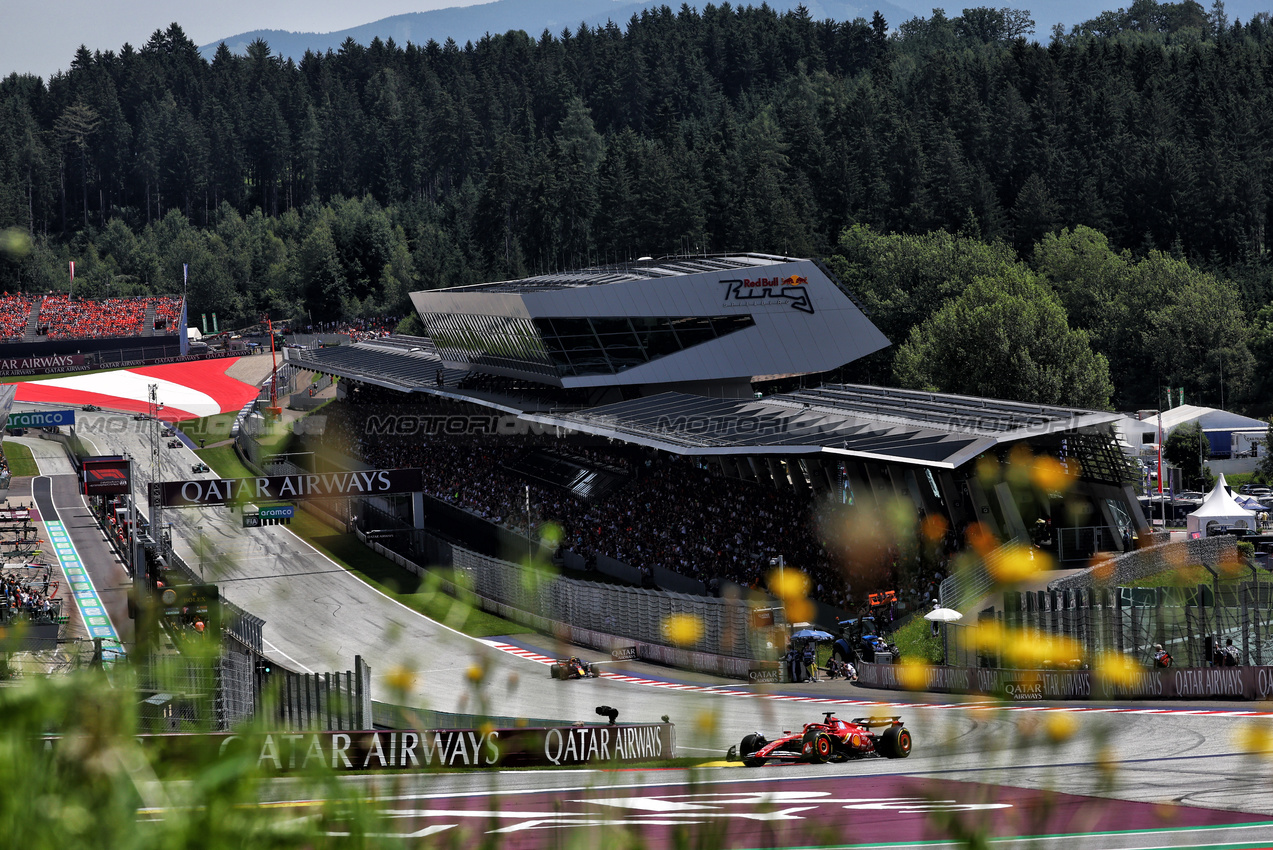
[219,491]
[408,750]
[33,365]
[1253,683]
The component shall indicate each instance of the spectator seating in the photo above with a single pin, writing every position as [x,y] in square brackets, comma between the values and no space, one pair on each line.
[63,317]
[14,312]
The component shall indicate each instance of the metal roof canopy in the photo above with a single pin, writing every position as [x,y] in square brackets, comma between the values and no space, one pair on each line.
[636,270]
[405,365]
[877,423]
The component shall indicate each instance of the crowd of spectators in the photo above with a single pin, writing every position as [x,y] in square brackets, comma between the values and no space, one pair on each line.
[168,313]
[356,329]
[675,512]
[27,596]
[64,317]
[15,310]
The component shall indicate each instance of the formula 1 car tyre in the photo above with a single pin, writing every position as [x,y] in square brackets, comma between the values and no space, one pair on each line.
[895,743]
[555,671]
[817,747]
[751,744]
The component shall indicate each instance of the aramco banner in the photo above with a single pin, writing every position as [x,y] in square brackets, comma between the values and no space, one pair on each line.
[1253,683]
[408,750]
[219,491]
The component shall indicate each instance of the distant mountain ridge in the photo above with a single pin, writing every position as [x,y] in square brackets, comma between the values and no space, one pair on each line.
[470,23]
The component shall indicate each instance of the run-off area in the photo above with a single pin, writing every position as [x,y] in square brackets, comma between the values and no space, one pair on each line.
[782,812]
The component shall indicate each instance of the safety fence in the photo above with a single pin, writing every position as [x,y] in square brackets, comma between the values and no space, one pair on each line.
[319,700]
[971,579]
[1190,623]
[502,576]
[189,694]
[717,625]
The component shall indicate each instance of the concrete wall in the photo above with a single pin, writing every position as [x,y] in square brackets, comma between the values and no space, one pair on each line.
[1143,563]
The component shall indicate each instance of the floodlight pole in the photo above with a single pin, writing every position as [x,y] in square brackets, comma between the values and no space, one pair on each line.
[530,540]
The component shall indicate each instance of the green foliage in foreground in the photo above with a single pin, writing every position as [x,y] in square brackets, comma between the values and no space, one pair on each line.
[916,642]
[21,463]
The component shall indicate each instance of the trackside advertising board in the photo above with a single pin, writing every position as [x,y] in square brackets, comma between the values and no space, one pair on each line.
[41,418]
[219,491]
[1253,683]
[412,750]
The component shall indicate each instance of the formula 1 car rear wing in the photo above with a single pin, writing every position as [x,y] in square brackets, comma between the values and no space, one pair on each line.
[877,721]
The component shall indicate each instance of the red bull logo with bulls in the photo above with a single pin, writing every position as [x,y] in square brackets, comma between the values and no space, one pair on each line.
[791,290]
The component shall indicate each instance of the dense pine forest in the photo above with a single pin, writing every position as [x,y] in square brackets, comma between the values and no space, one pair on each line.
[1079,219]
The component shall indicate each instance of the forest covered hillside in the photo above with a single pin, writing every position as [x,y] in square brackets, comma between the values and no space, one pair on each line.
[1113,182]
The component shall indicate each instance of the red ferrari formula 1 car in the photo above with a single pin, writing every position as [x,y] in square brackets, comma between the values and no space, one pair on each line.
[831,740]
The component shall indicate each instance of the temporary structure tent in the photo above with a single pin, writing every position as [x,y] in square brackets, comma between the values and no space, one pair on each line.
[1219,510]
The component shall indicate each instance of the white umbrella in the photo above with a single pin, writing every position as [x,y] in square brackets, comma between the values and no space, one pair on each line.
[943,615]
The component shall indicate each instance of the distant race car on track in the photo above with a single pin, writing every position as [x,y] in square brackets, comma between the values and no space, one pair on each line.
[572,668]
[831,740]
[90,408]
[174,444]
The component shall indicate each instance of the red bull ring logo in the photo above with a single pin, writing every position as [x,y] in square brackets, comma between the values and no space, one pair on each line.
[791,290]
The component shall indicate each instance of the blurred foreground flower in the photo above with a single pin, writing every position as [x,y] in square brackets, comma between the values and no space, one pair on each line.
[1016,563]
[913,674]
[934,527]
[1051,475]
[791,586]
[788,584]
[475,673]
[683,629]
[981,539]
[400,679]
[1254,739]
[1060,726]
[1027,650]
[1118,669]
[15,243]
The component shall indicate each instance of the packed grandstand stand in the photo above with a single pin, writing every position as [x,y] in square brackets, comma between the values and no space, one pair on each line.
[15,310]
[64,317]
[655,509]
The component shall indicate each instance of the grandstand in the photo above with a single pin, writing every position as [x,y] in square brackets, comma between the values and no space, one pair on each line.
[101,331]
[624,402]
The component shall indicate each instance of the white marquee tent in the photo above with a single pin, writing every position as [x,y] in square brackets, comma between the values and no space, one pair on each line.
[1219,510]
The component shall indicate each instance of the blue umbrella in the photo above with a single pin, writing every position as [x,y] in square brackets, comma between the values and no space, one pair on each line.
[813,634]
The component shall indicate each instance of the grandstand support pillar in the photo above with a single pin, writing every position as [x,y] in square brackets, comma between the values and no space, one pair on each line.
[1011,516]
[417,510]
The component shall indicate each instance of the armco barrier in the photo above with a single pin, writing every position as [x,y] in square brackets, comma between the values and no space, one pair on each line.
[1234,683]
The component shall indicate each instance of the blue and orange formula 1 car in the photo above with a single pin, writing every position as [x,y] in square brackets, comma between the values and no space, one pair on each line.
[572,668]
[831,740]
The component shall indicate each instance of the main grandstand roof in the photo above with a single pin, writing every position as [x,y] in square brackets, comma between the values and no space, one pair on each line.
[862,421]
[727,319]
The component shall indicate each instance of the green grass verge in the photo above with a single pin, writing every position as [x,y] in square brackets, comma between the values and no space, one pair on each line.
[421,594]
[21,463]
[915,640]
